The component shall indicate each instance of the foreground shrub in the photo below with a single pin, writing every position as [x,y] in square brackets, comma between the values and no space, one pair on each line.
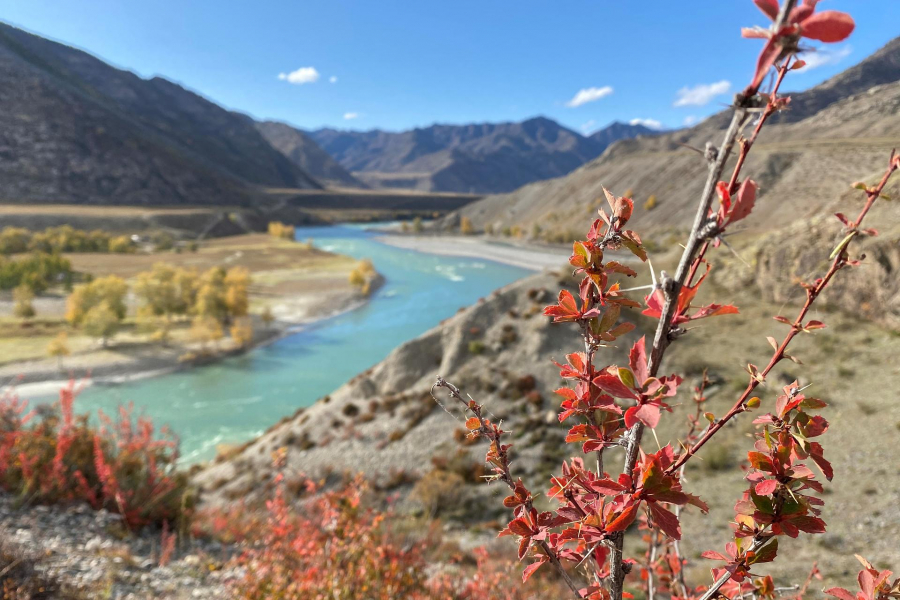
[610,407]
[50,455]
[339,546]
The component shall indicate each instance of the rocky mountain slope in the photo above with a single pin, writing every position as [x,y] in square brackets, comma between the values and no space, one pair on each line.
[73,129]
[306,154]
[478,158]
[834,134]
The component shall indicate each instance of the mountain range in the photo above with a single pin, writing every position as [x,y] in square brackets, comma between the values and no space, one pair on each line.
[477,158]
[831,135]
[73,129]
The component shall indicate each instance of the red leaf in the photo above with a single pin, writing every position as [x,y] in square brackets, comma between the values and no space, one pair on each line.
[769,7]
[625,518]
[828,26]
[712,555]
[621,207]
[666,520]
[637,359]
[648,414]
[840,593]
[766,487]
[743,201]
[767,58]
[611,384]
[530,569]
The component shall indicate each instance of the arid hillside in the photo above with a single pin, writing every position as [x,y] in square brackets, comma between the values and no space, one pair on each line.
[76,130]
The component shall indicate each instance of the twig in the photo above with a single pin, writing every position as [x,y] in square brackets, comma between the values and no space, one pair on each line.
[504,475]
[839,262]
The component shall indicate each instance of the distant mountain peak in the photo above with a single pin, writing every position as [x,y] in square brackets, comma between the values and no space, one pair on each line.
[475,157]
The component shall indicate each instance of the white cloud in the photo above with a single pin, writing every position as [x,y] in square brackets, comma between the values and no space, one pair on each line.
[351,115]
[300,76]
[591,94]
[648,123]
[586,128]
[824,56]
[700,95]
[690,120]
[332,79]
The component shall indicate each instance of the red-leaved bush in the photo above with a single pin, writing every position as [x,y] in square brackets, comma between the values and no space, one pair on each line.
[50,455]
[609,407]
[336,545]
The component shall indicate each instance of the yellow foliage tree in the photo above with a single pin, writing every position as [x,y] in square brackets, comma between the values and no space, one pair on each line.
[23,296]
[110,290]
[210,300]
[14,240]
[59,347]
[121,245]
[650,204]
[102,322]
[282,231]
[465,226]
[237,291]
[242,332]
[206,330]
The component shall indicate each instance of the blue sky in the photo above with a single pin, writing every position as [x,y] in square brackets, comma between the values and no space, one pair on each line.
[396,64]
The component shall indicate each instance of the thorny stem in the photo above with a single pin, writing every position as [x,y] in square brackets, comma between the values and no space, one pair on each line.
[690,258]
[839,262]
[505,475]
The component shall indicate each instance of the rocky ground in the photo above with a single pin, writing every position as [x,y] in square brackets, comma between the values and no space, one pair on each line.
[91,555]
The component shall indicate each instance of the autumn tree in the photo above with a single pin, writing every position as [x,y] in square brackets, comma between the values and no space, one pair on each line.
[110,290]
[206,330]
[59,348]
[23,297]
[281,231]
[14,240]
[237,292]
[241,331]
[98,307]
[166,292]
[121,244]
[465,226]
[101,321]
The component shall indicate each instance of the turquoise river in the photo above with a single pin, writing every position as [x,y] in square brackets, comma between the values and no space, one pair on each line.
[238,398]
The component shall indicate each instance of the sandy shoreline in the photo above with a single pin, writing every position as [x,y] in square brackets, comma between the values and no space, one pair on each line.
[473,247]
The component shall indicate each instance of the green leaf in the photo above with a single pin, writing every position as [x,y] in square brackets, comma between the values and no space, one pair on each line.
[840,247]
[626,377]
[609,318]
[765,554]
